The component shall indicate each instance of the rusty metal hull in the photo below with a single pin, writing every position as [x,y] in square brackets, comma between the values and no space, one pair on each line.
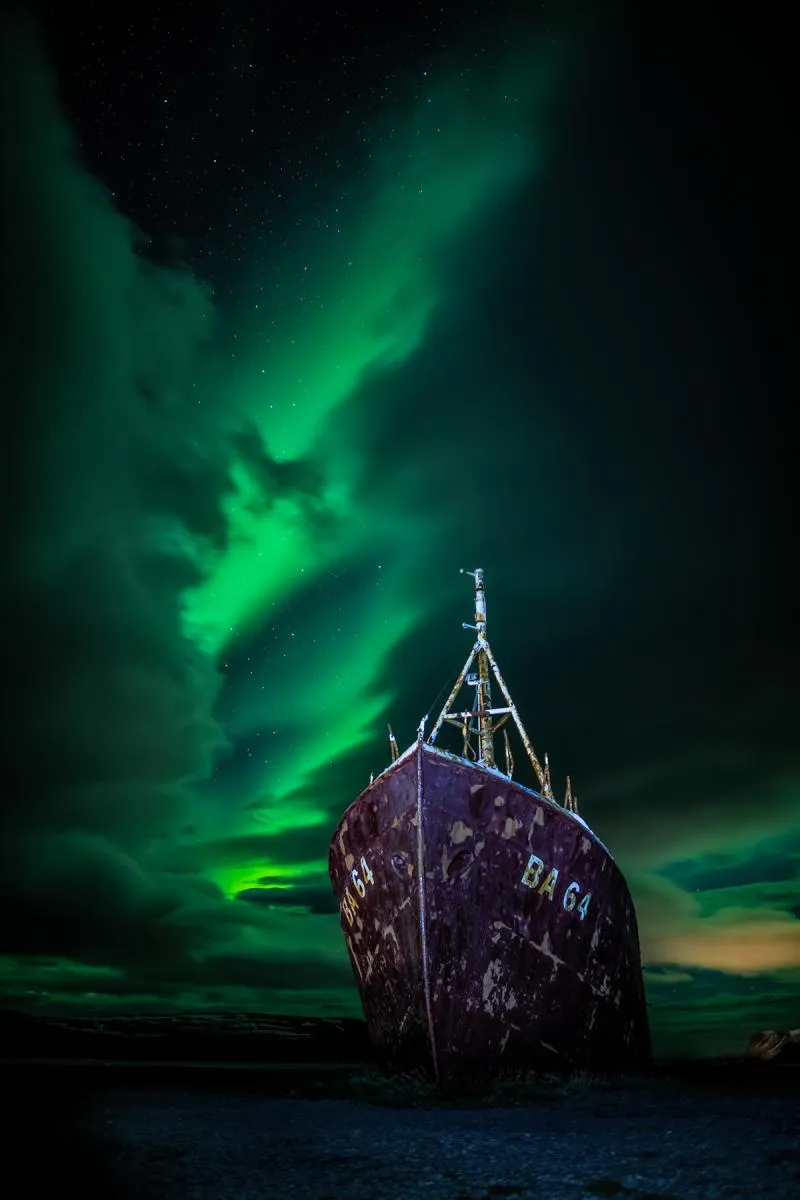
[488,928]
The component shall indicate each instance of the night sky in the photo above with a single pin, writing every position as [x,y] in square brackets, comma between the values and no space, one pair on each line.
[302,314]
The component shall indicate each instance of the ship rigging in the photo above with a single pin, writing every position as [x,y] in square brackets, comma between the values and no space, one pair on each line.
[479,723]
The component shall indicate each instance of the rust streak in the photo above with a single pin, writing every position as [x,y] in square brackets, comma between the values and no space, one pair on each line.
[459,832]
[388,931]
[511,827]
[545,948]
[491,977]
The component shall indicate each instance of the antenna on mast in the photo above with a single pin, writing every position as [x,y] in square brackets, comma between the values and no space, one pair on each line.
[483,692]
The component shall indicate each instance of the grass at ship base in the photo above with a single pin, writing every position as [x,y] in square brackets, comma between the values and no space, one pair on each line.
[512,1089]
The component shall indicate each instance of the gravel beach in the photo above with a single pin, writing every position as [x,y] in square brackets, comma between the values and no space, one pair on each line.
[327,1134]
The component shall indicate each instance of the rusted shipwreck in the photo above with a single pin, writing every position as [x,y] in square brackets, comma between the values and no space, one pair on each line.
[488,927]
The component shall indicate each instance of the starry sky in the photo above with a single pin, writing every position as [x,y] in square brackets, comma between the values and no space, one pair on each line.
[302,314]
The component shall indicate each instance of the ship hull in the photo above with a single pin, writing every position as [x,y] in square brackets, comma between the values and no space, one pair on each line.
[488,929]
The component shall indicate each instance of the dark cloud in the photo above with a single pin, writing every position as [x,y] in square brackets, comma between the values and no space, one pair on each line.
[317,898]
[286,972]
[95,631]
[715,1012]
[298,479]
[78,895]
[295,844]
[118,458]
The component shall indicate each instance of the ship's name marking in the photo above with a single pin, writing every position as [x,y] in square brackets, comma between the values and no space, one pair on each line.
[349,904]
[570,900]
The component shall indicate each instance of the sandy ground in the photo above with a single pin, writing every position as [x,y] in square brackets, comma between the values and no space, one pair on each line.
[348,1135]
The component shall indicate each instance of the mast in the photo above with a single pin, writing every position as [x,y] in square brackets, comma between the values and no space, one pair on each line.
[482,707]
[484,691]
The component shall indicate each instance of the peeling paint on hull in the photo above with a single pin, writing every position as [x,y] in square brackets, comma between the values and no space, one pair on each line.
[465,970]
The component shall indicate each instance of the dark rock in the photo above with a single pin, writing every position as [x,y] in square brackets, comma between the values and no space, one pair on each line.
[773,1046]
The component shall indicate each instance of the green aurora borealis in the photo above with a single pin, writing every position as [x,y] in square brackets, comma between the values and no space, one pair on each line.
[237,516]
